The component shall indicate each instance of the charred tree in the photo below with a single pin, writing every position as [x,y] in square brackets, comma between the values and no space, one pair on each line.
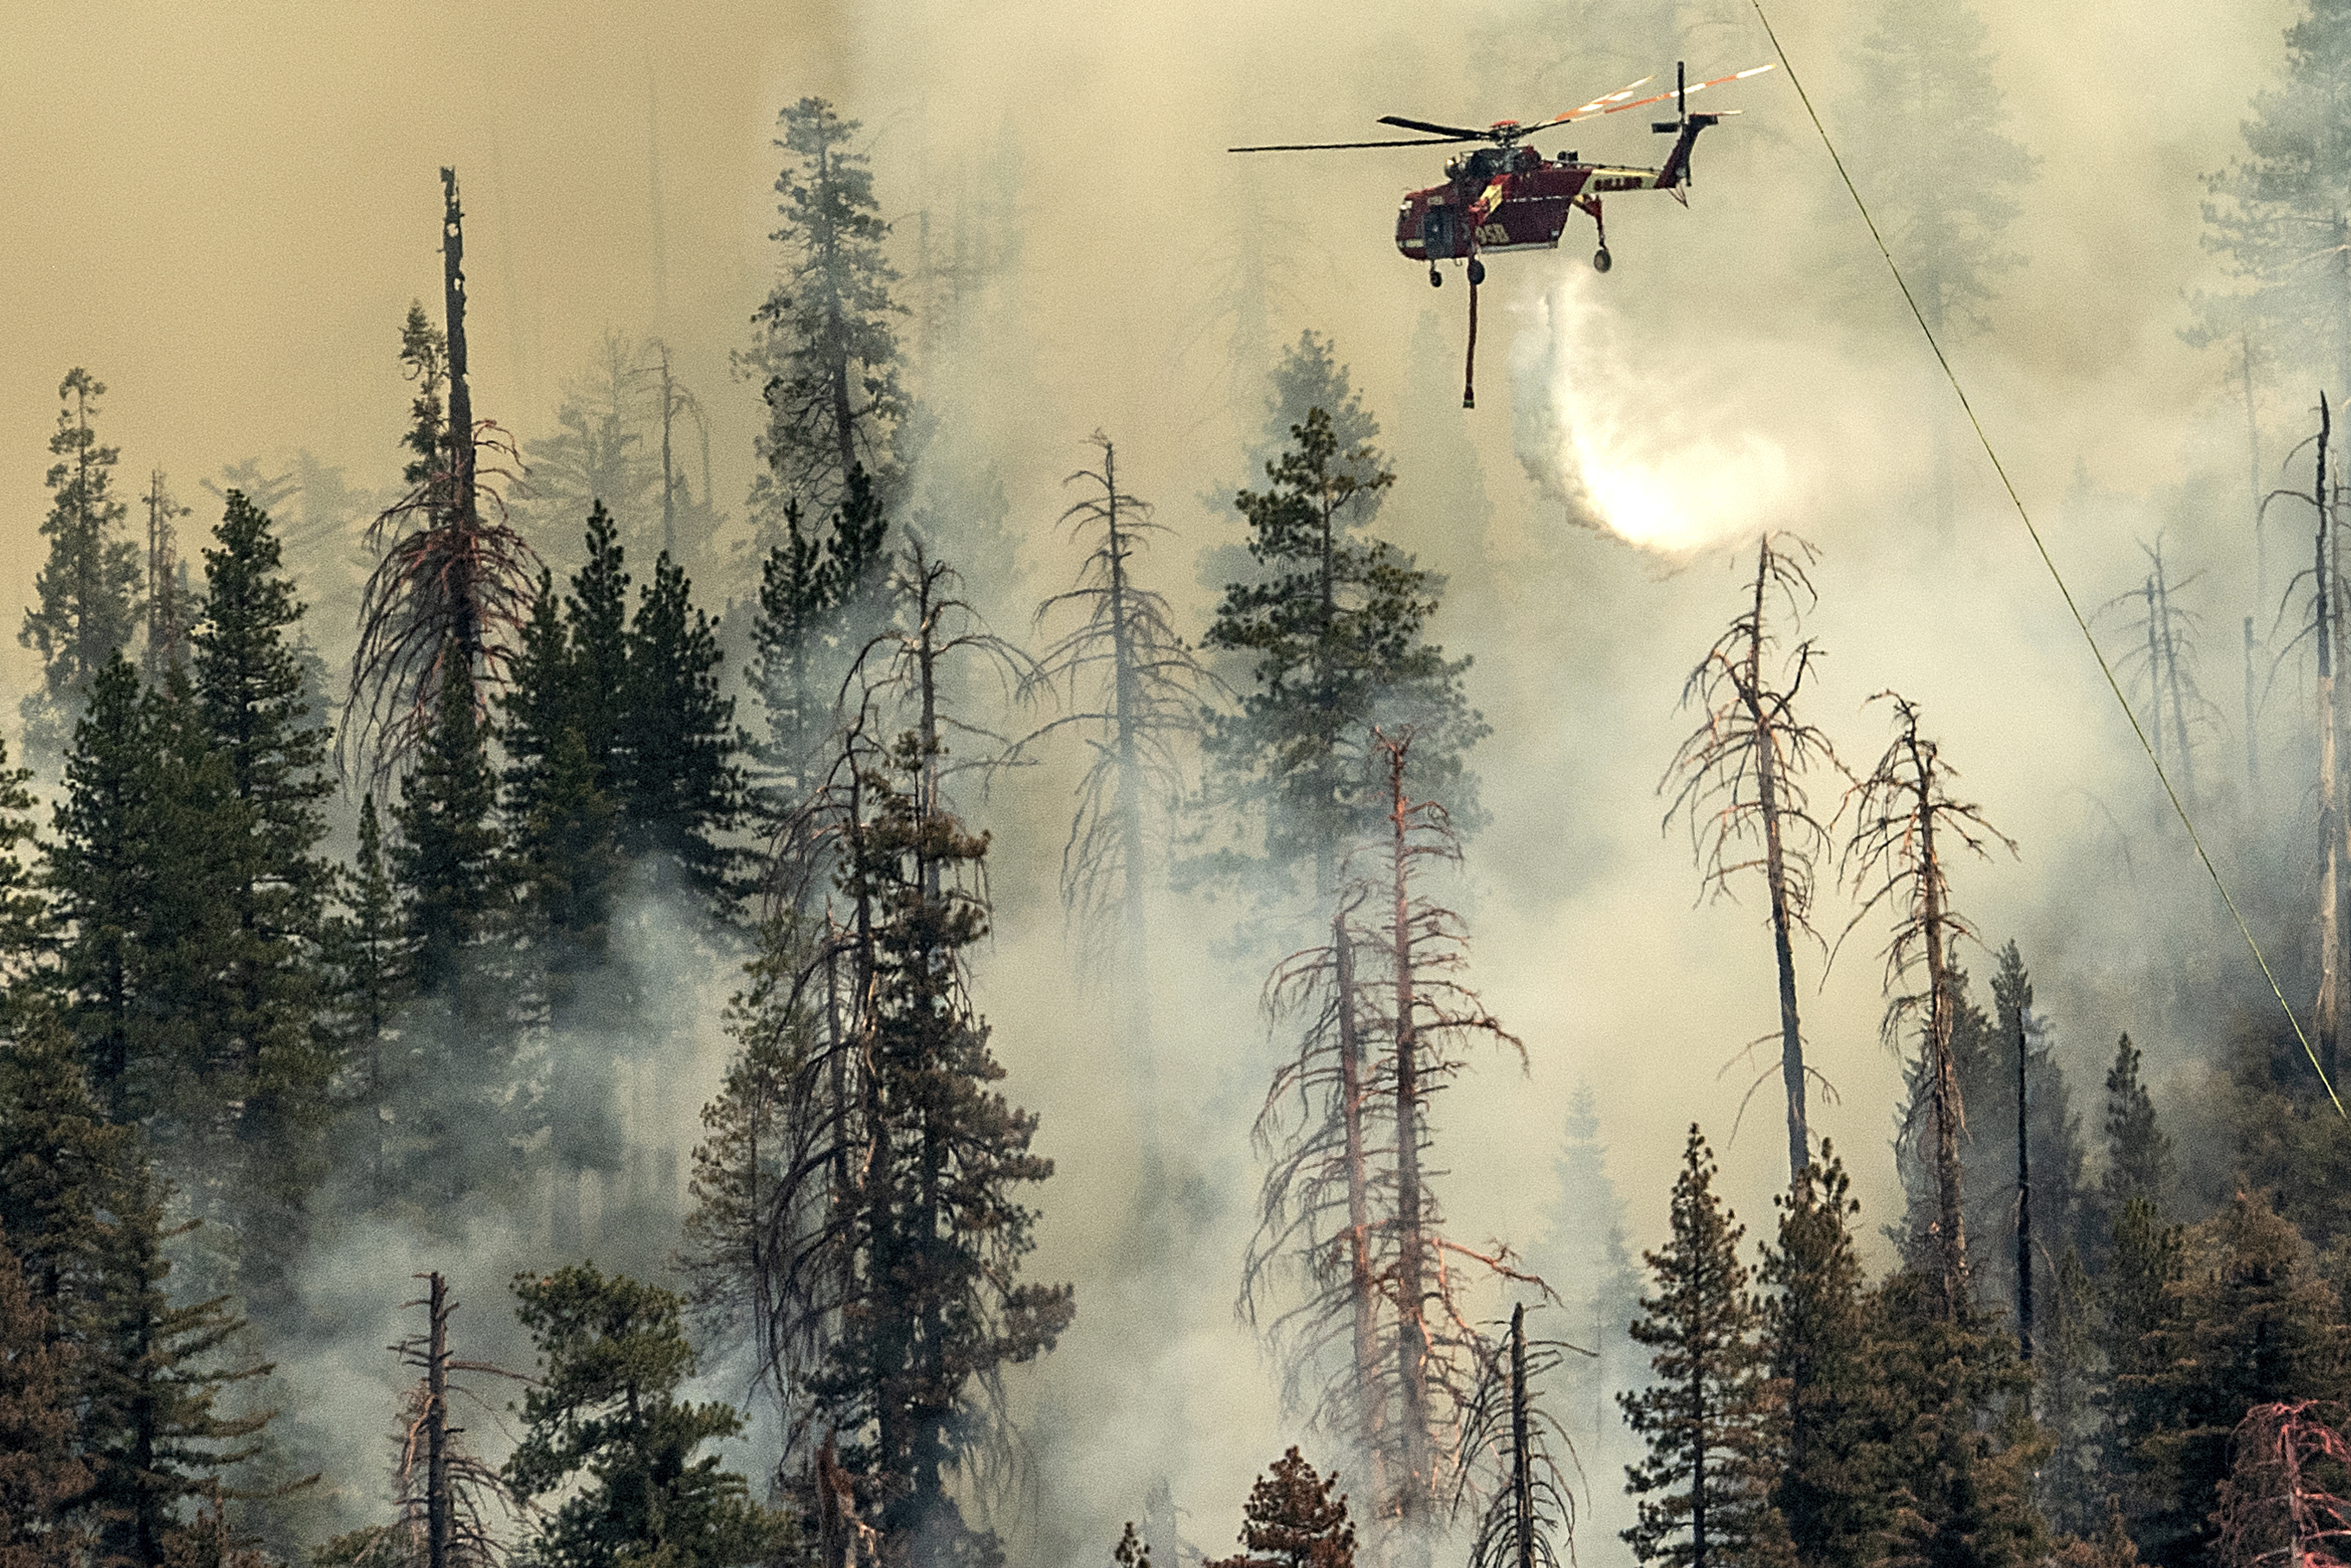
[1738,781]
[166,617]
[2163,656]
[451,588]
[445,1496]
[1894,862]
[1528,1517]
[1387,1017]
[1132,689]
[2279,1505]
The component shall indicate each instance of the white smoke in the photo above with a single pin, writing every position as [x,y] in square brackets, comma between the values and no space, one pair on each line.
[1653,449]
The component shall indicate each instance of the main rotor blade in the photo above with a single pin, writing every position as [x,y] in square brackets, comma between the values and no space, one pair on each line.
[1610,105]
[1341,146]
[1455,132]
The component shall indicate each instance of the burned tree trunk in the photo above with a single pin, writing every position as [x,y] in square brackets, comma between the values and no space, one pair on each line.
[2330,821]
[2023,1195]
[1413,1263]
[1737,780]
[1364,1339]
[1894,860]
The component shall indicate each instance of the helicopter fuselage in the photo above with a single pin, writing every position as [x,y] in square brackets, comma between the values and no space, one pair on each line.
[1513,198]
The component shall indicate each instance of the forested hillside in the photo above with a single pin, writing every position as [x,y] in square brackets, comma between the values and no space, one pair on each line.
[973,896]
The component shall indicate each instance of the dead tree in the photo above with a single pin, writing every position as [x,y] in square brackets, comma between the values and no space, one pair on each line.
[1346,1209]
[445,1496]
[2324,625]
[1527,1515]
[2162,654]
[1738,781]
[2277,1506]
[451,588]
[1130,687]
[165,615]
[1895,861]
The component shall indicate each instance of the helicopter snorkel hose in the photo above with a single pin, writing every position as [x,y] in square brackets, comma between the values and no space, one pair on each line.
[2072,607]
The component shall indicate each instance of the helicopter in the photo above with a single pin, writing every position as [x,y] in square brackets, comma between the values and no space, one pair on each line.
[1507,196]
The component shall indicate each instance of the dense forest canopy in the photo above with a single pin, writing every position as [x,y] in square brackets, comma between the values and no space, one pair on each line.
[805,706]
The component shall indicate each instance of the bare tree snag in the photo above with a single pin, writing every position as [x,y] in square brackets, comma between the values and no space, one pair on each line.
[1528,1521]
[1894,861]
[1386,1017]
[1739,781]
[444,1494]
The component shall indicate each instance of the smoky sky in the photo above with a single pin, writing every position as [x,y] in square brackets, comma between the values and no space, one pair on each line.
[224,210]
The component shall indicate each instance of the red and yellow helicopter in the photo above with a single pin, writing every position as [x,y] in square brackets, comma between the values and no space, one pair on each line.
[1506,196]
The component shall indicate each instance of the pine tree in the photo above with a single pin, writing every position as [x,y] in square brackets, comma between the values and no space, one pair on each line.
[249,689]
[1962,1446]
[159,1370]
[2139,1162]
[367,951]
[89,589]
[603,1414]
[1292,1521]
[1705,1486]
[25,919]
[825,347]
[61,1162]
[887,1240]
[2287,202]
[446,856]
[2255,1324]
[820,592]
[1941,172]
[1334,636]
[1829,1413]
[680,790]
[41,1477]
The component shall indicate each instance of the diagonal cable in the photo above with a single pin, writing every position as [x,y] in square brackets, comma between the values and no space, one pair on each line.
[2071,608]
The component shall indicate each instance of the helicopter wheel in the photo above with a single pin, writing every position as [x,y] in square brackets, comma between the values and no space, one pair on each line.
[1435,278]
[1601,260]
[1477,272]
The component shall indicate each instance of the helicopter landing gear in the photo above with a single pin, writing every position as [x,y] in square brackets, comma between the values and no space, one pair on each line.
[1435,278]
[1477,272]
[1601,260]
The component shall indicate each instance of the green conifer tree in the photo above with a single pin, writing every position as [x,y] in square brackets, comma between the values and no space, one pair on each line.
[2281,214]
[1294,1519]
[680,790]
[605,1416]
[2139,1162]
[367,951]
[1333,633]
[249,688]
[25,922]
[824,350]
[446,858]
[1962,1446]
[89,589]
[1705,1487]
[2254,1323]
[1831,1488]
[157,1435]
[41,1475]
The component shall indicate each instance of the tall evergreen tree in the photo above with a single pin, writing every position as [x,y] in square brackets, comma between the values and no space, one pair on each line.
[1293,1520]
[2139,1162]
[1941,173]
[820,592]
[88,588]
[1962,1446]
[367,951]
[2285,205]
[680,790]
[825,347]
[24,925]
[1333,635]
[158,1437]
[446,858]
[868,1174]
[2252,1322]
[1833,1480]
[605,1419]
[1705,1487]
[41,1475]
[249,689]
